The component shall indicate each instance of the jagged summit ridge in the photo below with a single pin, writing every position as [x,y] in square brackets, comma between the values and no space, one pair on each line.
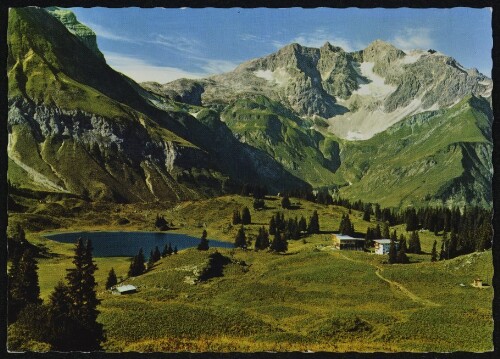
[360,93]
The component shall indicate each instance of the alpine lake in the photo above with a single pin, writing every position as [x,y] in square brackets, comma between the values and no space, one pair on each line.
[128,244]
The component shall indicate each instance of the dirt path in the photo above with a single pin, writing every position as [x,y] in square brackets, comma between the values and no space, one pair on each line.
[397,285]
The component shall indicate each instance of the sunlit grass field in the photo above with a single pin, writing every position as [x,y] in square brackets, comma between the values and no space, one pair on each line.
[311,298]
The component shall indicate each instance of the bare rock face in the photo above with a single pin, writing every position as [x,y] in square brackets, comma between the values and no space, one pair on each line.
[360,93]
[182,90]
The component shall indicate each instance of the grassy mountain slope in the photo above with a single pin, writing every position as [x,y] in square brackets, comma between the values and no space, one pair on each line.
[431,158]
[269,126]
[67,106]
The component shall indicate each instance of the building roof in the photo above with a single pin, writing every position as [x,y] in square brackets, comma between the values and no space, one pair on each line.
[342,237]
[125,288]
[383,241]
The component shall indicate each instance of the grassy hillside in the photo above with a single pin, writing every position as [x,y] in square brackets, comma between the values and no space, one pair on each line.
[271,127]
[430,158]
[312,298]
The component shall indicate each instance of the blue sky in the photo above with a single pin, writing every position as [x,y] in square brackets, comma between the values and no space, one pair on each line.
[164,44]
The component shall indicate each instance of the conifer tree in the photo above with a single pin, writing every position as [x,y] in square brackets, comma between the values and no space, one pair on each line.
[401,256]
[385,230]
[258,203]
[392,252]
[137,266]
[264,243]
[112,280]
[378,212]
[61,325]
[23,287]
[443,254]
[167,250]
[84,301]
[346,227]
[402,241]
[272,226]
[313,223]
[262,240]
[245,216]
[279,244]
[302,224]
[285,202]
[414,245]
[151,260]
[453,246]
[240,241]
[366,213]
[236,217]
[377,234]
[434,252]
[175,250]
[203,245]
[156,254]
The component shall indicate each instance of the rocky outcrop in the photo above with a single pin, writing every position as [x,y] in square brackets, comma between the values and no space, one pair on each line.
[84,33]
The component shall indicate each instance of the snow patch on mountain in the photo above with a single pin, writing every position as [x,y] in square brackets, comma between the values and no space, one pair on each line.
[278,76]
[375,86]
[353,125]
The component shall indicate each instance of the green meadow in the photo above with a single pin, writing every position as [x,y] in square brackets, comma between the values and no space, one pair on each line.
[311,298]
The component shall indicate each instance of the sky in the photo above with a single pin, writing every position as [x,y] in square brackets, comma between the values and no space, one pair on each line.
[165,44]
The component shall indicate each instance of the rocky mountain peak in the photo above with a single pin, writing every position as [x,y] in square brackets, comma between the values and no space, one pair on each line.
[83,32]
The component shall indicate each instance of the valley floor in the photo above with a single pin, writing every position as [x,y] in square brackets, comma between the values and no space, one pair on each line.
[311,298]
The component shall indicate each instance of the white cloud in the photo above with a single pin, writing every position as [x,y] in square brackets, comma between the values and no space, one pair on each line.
[212,67]
[142,71]
[413,38]
[318,37]
[100,31]
[178,43]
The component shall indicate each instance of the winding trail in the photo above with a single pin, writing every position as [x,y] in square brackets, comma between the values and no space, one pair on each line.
[396,285]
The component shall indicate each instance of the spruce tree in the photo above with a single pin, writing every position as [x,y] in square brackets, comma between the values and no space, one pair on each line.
[245,216]
[285,202]
[401,257]
[137,266]
[23,287]
[279,244]
[385,230]
[392,252]
[264,244]
[240,241]
[443,254]
[378,212]
[414,245]
[366,213]
[151,261]
[156,254]
[272,226]
[203,245]
[313,223]
[164,253]
[302,224]
[236,217]
[62,326]
[112,280]
[175,250]
[434,252]
[81,285]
